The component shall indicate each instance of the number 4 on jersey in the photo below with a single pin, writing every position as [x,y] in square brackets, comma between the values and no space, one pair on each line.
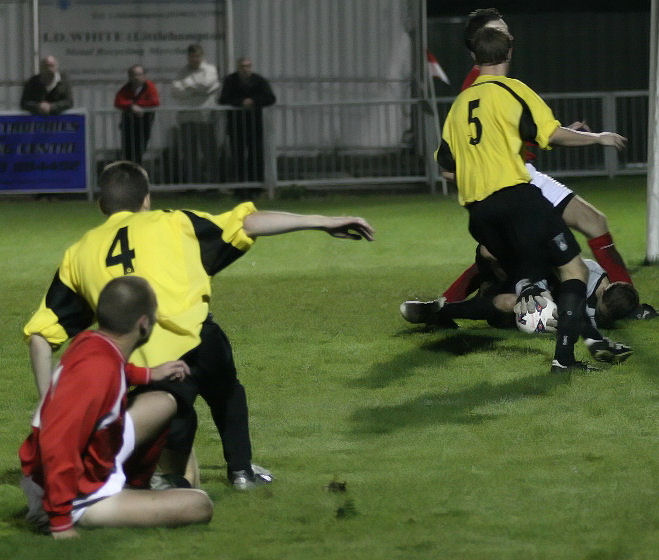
[125,255]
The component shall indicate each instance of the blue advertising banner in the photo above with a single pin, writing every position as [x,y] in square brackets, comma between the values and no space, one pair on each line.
[43,153]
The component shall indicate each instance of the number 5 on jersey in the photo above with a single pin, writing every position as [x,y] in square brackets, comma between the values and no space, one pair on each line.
[120,252]
[473,105]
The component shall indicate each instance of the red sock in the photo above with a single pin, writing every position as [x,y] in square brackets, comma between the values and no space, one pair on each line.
[465,284]
[606,254]
[141,464]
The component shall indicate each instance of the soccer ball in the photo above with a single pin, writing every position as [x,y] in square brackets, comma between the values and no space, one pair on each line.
[536,322]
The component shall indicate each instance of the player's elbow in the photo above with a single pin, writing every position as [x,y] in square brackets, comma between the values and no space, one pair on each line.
[448,175]
[38,342]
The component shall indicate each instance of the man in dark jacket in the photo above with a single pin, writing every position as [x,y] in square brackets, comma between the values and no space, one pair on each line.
[48,92]
[250,92]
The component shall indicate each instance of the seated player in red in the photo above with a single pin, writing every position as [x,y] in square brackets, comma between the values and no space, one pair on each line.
[85,444]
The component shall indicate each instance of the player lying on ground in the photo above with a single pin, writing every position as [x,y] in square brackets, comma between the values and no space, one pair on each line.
[577,213]
[85,445]
[497,303]
[178,252]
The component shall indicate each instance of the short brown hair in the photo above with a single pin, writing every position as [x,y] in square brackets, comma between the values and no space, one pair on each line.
[491,46]
[195,48]
[476,20]
[135,67]
[123,186]
[123,301]
[619,299]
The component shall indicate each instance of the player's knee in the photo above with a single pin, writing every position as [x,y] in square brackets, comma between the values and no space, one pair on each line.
[162,401]
[574,270]
[169,402]
[198,506]
[504,302]
[482,249]
[592,222]
[599,224]
[580,270]
[585,218]
[206,510]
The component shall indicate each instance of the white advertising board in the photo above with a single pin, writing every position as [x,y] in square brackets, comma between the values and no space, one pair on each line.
[99,39]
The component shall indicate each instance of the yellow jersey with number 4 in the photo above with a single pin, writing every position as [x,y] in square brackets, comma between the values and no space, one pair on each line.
[176,251]
[484,132]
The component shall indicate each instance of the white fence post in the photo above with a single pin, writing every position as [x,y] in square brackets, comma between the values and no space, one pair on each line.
[430,145]
[269,154]
[609,122]
[652,236]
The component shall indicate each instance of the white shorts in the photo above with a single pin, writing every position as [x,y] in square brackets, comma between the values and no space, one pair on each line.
[113,485]
[552,190]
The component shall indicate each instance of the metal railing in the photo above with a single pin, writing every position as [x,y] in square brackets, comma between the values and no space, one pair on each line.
[334,145]
[349,142]
[318,145]
[624,112]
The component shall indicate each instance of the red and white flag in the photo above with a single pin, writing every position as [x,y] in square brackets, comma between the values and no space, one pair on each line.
[434,69]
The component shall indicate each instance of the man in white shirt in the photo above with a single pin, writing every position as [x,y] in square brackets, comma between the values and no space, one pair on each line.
[195,86]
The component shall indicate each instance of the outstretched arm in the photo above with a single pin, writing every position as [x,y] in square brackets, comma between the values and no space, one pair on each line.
[274,223]
[568,137]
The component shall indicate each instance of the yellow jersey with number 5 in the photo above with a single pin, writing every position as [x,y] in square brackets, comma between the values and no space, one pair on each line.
[484,132]
[176,251]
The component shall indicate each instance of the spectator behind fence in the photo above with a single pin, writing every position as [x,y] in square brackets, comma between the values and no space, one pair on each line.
[250,92]
[136,94]
[195,87]
[48,92]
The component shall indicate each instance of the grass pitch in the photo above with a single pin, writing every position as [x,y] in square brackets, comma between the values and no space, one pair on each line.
[451,444]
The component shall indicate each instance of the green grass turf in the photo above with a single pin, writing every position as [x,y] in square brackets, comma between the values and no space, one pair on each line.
[452,444]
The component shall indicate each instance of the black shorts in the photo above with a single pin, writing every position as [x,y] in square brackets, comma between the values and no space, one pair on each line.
[212,370]
[560,207]
[523,231]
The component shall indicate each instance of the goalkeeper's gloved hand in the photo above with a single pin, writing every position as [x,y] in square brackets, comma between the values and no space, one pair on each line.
[531,298]
[553,321]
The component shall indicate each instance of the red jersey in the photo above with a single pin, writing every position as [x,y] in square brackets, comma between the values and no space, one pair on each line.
[77,430]
[469,79]
[147,96]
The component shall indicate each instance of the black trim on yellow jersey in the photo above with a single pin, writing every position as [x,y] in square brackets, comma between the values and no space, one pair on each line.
[445,157]
[215,253]
[528,130]
[72,310]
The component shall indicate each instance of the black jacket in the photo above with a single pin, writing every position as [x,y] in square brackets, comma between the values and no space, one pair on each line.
[34,92]
[234,90]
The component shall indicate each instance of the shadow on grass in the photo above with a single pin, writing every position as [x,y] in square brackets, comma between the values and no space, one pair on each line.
[463,344]
[11,514]
[16,520]
[11,476]
[215,473]
[431,353]
[456,407]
